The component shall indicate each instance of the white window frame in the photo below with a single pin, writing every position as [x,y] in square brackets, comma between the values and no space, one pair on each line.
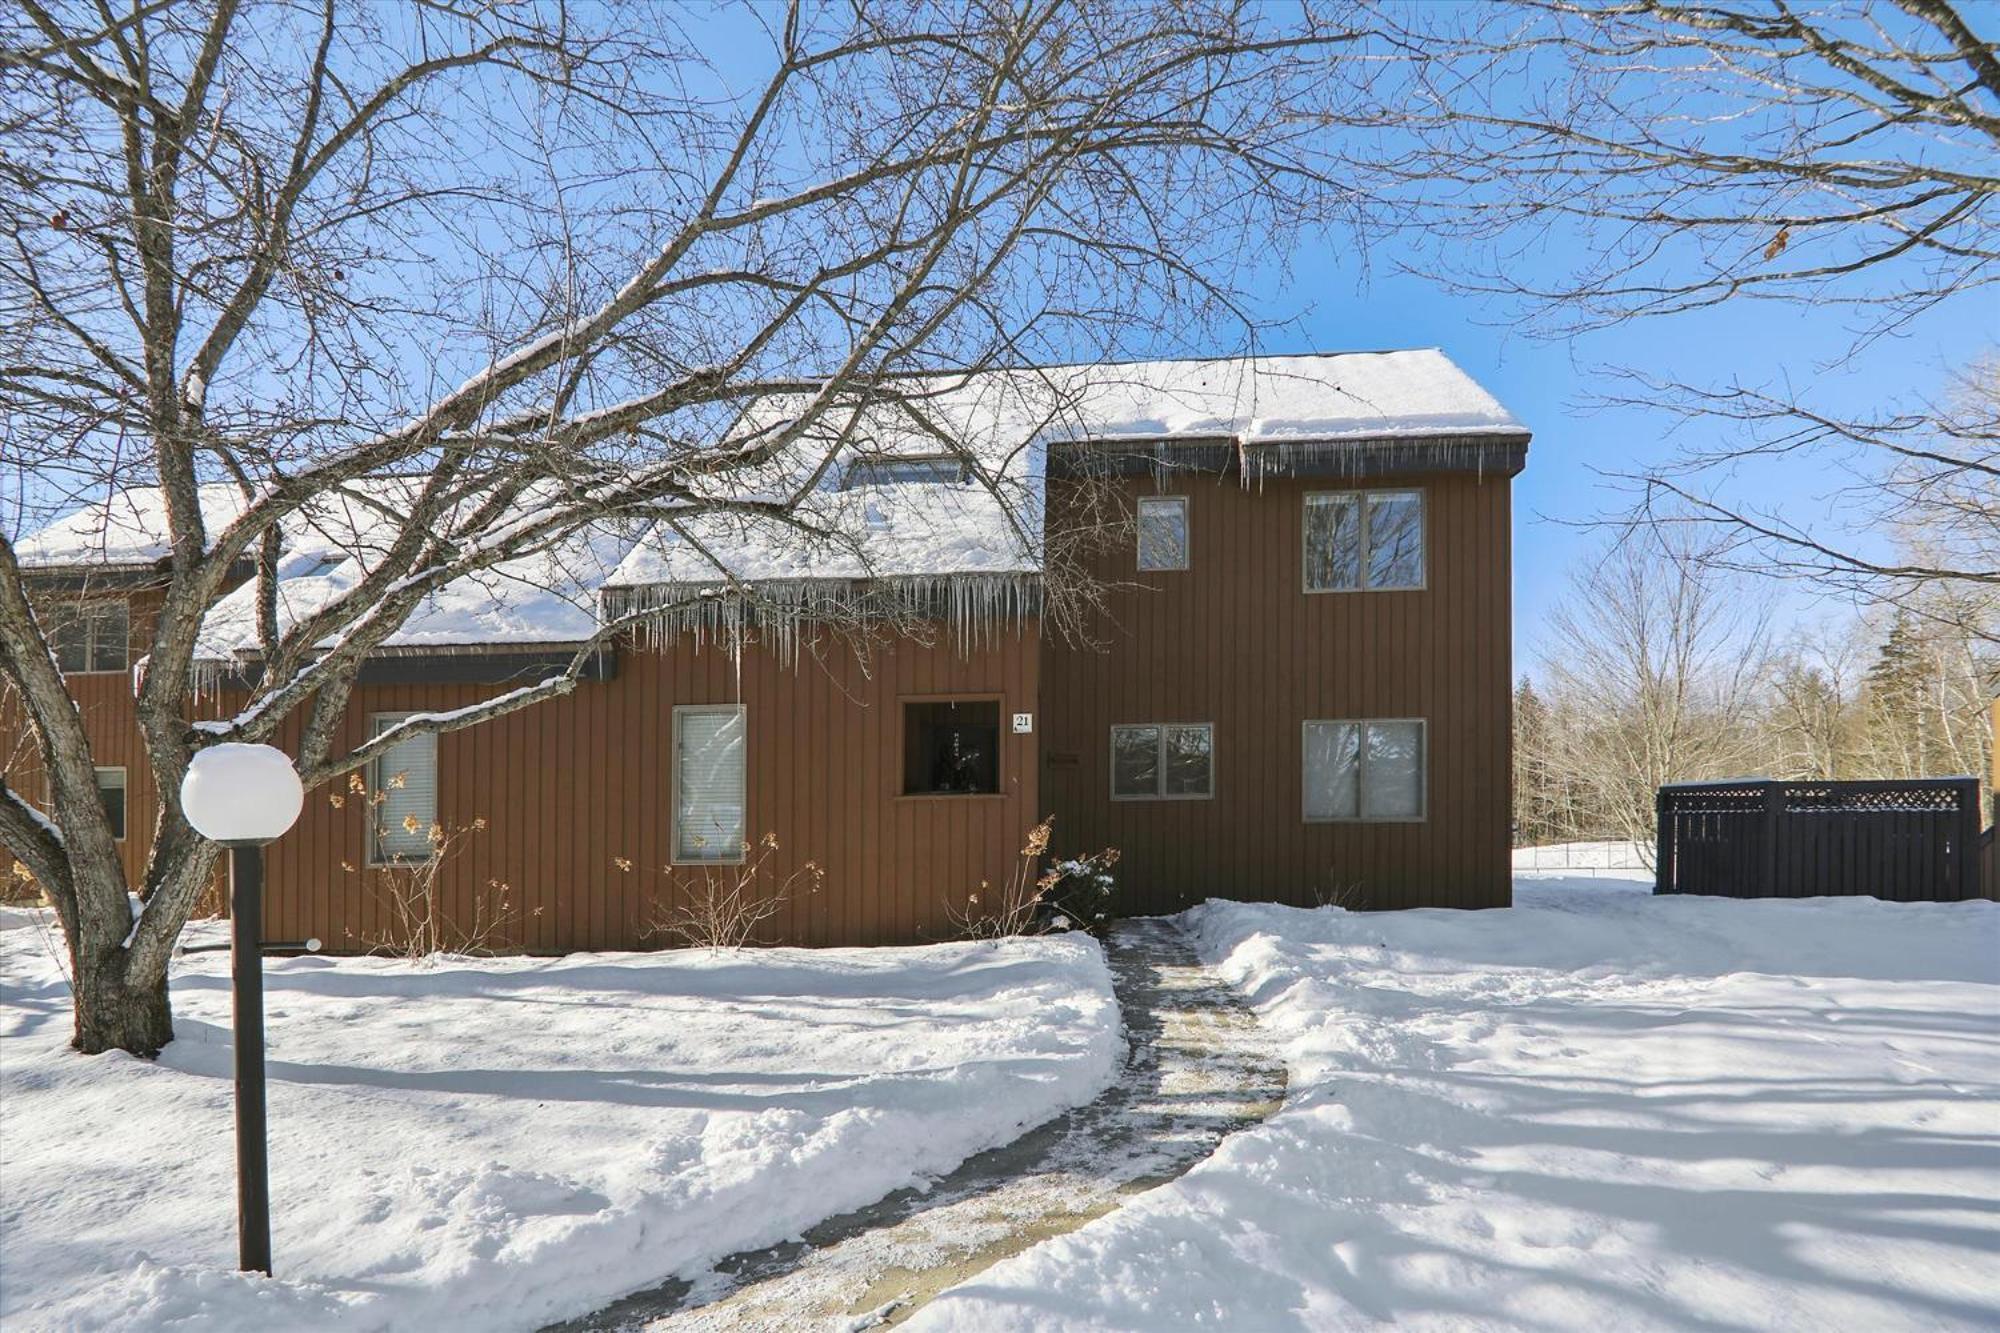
[1361,771]
[1139,534]
[125,806]
[378,781]
[739,853]
[1362,498]
[83,610]
[1160,788]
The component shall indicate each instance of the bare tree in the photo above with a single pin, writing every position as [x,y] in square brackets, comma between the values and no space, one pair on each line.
[1839,157]
[1655,675]
[1813,726]
[534,259]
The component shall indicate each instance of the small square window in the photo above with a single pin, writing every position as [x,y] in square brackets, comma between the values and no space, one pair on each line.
[1162,761]
[951,748]
[1163,533]
[111,790]
[91,636]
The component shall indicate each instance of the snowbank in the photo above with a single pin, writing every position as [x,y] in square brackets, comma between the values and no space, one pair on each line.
[492,1144]
[1598,1110]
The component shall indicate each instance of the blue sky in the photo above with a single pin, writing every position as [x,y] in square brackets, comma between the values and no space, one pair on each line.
[1330,301]
[1549,384]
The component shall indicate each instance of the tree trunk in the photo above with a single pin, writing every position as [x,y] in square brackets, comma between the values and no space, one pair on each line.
[112,1015]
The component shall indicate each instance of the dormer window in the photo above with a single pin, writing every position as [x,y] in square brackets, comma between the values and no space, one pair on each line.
[91,636]
[929,470]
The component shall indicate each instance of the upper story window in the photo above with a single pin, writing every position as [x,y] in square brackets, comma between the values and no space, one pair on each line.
[1364,540]
[951,747]
[92,636]
[1163,532]
[935,470]
[1162,761]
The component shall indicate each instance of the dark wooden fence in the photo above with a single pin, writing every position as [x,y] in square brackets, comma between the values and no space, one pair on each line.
[1907,841]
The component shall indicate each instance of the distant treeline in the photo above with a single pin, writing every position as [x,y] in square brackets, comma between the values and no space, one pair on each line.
[1662,666]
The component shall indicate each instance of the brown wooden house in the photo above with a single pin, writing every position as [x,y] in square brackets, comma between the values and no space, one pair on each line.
[1294,685]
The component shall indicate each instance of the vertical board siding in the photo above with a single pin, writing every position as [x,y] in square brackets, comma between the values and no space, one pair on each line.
[570,786]
[573,786]
[1236,641]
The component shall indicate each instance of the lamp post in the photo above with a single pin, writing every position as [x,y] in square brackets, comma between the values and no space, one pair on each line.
[244,796]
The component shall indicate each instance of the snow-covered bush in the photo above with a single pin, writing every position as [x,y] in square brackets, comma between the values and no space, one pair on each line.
[1071,894]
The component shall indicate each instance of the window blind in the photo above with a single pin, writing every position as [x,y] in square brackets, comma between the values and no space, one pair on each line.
[708,784]
[1332,770]
[1364,770]
[1163,533]
[405,775]
[1393,771]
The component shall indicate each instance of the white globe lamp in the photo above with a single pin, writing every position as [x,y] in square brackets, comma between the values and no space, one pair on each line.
[241,795]
[244,796]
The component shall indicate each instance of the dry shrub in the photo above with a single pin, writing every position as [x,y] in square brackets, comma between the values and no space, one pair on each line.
[1349,895]
[19,887]
[721,907]
[419,925]
[1070,894]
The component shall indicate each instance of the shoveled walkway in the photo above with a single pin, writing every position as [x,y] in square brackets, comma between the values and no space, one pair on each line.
[1196,1072]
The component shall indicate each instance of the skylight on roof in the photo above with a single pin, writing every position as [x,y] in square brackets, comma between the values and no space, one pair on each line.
[935,470]
[313,567]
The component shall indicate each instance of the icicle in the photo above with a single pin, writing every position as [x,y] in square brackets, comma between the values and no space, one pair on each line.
[973,609]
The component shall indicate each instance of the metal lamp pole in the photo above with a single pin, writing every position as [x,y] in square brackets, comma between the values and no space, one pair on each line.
[246,978]
[243,797]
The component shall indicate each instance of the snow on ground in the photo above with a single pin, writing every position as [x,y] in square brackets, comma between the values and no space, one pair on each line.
[490,1144]
[1599,1110]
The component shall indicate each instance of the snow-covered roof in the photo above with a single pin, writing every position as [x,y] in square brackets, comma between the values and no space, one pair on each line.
[1280,399]
[1006,420]
[129,528]
[852,525]
[329,546]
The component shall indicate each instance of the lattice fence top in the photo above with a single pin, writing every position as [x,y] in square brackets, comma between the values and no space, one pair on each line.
[1912,795]
[1835,798]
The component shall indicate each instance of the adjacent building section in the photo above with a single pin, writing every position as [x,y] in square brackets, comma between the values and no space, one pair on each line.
[1246,620]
